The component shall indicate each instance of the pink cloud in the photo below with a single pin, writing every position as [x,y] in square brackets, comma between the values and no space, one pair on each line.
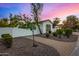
[61,10]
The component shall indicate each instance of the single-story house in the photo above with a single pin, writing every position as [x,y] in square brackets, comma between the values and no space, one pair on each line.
[17,32]
[47,25]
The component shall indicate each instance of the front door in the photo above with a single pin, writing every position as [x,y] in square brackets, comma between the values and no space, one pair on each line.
[48,28]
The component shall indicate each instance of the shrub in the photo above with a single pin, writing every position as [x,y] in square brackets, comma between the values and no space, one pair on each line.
[12,25]
[3,25]
[63,32]
[47,35]
[59,32]
[49,32]
[55,34]
[22,26]
[68,32]
[7,39]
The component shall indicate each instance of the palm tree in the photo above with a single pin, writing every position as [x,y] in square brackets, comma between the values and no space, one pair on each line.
[36,12]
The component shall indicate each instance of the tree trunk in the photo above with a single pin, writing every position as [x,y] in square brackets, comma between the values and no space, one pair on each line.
[34,45]
[38,27]
[33,36]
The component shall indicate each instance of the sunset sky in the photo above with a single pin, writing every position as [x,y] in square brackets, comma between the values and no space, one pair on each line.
[50,11]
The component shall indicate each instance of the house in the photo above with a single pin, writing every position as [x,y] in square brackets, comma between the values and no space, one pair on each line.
[47,25]
[17,32]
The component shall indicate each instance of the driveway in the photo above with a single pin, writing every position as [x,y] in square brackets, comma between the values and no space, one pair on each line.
[76,50]
[64,48]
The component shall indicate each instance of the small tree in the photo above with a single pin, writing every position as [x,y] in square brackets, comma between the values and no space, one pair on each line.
[28,25]
[32,27]
[56,22]
[36,12]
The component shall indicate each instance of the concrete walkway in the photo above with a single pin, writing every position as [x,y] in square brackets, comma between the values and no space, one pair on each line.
[76,50]
[64,48]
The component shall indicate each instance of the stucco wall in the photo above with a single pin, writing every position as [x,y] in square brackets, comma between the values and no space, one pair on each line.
[44,27]
[23,32]
[5,30]
[17,32]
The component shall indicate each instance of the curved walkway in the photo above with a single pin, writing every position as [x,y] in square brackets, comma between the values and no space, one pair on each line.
[76,50]
[64,48]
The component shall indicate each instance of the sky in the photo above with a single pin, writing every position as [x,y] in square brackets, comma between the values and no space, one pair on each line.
[50,10]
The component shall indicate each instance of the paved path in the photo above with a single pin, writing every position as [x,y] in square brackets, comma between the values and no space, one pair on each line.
[76,50]
[64,48]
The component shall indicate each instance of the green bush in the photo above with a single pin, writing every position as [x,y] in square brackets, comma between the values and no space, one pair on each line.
[3,25]
[59,32]
[7,39]
[63,32]
[22,26]
[12,25]
[68,32]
